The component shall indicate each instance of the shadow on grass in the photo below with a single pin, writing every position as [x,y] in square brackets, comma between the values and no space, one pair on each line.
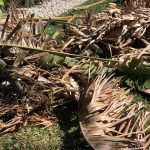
[69,124]
[64,135]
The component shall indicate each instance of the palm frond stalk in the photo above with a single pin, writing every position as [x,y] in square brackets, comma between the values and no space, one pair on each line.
[49,68]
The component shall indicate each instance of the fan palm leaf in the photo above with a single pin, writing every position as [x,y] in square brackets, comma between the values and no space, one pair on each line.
[109,119]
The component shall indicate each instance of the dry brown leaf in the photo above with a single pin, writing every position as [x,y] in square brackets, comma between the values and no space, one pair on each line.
[112,118]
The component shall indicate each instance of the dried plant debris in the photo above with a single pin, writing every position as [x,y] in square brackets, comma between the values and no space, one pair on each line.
[113,34]
[39,71]
[39,91]
[109,118]
[137,3]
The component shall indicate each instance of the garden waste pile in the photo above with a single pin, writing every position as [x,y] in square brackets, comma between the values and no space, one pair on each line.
[101,61]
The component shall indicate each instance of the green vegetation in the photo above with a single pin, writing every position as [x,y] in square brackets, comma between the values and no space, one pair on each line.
[64,135]
[1,5]
[55,30]
[93,9]
[33,138]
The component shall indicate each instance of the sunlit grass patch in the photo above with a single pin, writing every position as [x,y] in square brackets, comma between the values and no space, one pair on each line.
[33,138]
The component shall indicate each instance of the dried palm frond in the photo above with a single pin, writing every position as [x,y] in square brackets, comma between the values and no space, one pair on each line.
[111,35]
[103,35]
[109,119]
[137,3]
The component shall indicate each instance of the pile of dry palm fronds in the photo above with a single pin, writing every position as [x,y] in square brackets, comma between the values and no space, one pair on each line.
[110,120]
[137,3]
[39,72]
[111,34]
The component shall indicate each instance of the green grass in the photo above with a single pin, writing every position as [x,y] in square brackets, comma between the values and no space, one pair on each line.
[63,135]
[33,138]
[69,124]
